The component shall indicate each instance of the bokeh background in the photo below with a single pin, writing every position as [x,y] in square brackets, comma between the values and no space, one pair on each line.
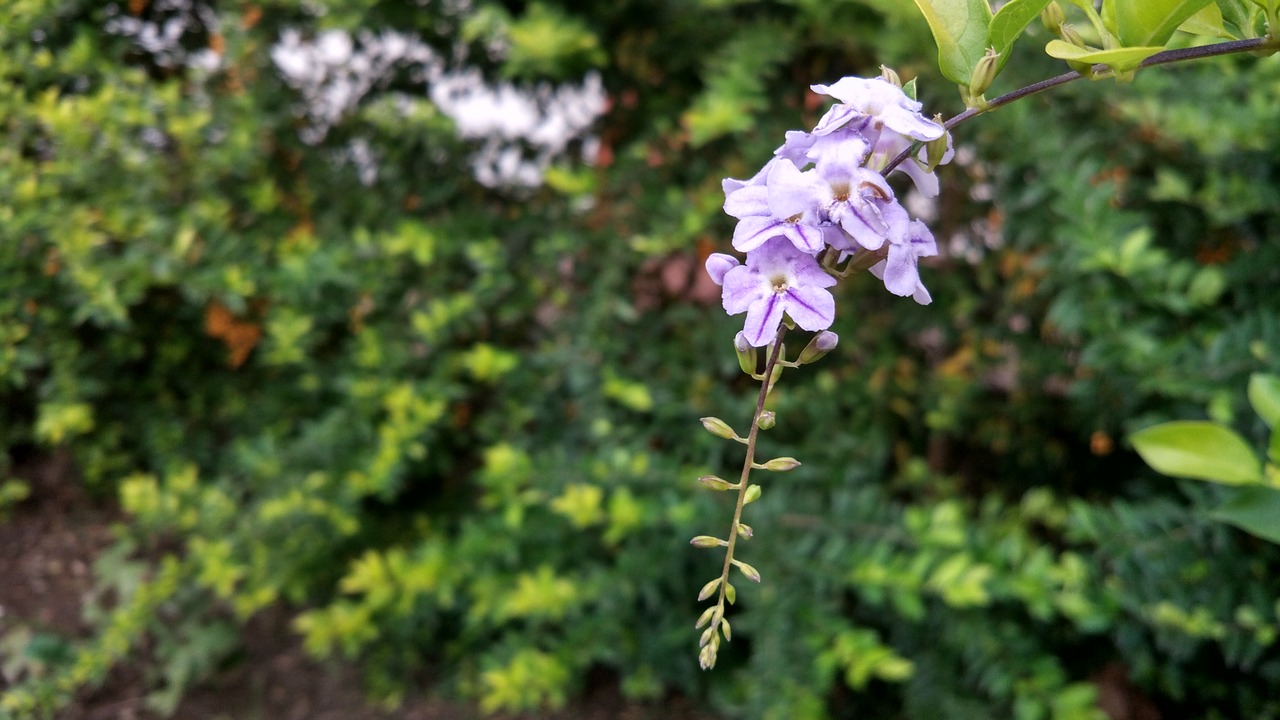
[352,355]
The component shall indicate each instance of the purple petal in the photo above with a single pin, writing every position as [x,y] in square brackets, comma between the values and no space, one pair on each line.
[911,123]
[741,288]
[718,264]
[792,192]
[752,232]
[806,238]
[807,272]
[748,201]
[763,318]
[812,308]
[863,223]
[922,242]
[900,274]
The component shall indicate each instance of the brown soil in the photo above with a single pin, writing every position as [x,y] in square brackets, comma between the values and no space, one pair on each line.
[48,544]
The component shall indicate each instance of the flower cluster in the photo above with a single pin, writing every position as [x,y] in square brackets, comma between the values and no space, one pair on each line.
[821,200]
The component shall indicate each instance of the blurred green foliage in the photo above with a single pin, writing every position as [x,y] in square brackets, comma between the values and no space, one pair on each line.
[454,428]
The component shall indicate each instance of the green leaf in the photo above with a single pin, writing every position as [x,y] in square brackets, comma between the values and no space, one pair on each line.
[1120,59]
[1208,22]
[1010,21]
[1200,450]
[960,30]
[1256,510]
[1152,22]
[1264,396]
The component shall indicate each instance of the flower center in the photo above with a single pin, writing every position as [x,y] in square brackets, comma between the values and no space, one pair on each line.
[779,283]
[840,191]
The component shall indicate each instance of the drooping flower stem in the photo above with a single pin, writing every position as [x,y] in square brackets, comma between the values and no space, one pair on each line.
[775,354]
[710,642]
[1161,58]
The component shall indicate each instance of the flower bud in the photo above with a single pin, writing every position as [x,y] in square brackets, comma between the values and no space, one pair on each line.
[708,615]
[821,344]
[984,73]
[714,483]
[748,357]
[707,635]
[751,573]
[1071,36]
[724,628]
[707,590]
[936,149]
[753,494]
[719,428]
[730,593]
[782,464]
[888,75]
[718,264]
[745,531]
[1053,17]
[767,420]
[706,541]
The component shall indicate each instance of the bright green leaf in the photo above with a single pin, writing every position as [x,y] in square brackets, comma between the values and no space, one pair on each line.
[1120,59]
[1200,450]
[1010,21]
[1264,396]
[1152,22]
[1256,510]
[1208,22]
[960,30]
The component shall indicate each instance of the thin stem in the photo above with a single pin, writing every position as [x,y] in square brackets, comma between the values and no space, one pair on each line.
[774,356]
[1161,58]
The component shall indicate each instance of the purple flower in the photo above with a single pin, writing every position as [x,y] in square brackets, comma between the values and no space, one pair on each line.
[909,240]
[875,103]
[786,205]
[778,278]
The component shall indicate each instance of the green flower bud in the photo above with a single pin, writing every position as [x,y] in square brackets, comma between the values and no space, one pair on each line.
[767,420]
[706,541]
[708,616]
[707,635]
[708,589]
[719,428]
[782,464]
[984,73]
[1069,35]
[936,150]
[730,593]
[888,75]
[707,657]
[1053,17]
[745,531]
[751,573]
[821,344]
[748,357]
[715,483]
[724,628]
[753,494]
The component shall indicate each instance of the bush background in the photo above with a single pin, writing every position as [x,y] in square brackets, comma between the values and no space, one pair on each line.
[452,429]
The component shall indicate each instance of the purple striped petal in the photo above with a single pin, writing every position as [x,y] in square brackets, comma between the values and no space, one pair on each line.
[812,308]
[763,318]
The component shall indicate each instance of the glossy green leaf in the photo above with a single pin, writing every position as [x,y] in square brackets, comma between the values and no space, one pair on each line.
[1256,510]
[1208,22]
[1010,21]
[1200,450]
[1152,22]
[1120,59]
[960,29]
[1264,396]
